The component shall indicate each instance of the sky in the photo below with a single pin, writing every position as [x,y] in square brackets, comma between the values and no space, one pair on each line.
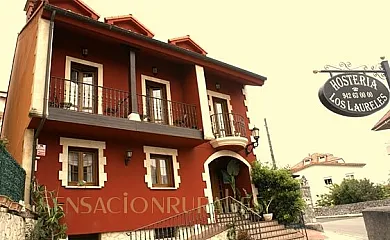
[282,40]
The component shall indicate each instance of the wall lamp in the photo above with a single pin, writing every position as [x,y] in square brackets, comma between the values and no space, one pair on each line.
[84,52]
[218,86]
[255,134]
[129,154]
[154,71]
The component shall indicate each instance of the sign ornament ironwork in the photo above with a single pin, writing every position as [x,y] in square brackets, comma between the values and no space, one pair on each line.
[352,91]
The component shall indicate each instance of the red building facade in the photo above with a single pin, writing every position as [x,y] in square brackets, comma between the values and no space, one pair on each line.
[135,129]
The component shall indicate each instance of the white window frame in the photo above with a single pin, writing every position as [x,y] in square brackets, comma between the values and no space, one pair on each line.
[68,68]
[348,175]
[226,97]
[149,150]
[64,158]
[326,178]
[167,84]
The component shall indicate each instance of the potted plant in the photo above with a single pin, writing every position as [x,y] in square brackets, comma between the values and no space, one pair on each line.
[247,202]
[257,211]
[218,206]
[268,216]
[229,175]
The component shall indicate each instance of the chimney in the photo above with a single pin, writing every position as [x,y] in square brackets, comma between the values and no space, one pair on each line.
[30,7]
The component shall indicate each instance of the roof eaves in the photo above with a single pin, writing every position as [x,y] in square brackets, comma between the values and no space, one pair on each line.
[294,170]
[154,41]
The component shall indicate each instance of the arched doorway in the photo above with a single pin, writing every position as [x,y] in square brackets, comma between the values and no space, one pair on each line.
[220,187]
[215,185]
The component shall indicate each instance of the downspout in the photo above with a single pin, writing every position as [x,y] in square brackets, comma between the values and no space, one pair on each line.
[45,97]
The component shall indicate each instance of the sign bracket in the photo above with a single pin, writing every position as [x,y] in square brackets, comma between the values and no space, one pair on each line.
[382,71]
[355,92]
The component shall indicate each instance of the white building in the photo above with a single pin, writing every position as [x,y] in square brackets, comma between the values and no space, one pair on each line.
[3,97]
[323,170]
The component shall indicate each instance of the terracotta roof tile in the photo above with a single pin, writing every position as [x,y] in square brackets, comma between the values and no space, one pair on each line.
[382,123]
[297,169]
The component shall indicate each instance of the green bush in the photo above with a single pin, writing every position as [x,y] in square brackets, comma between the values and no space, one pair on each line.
[279,183]
[12,175]
[50,224]
[353,191]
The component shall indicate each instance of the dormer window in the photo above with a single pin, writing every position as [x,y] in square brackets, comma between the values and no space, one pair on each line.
[129,22]
[76,6]
[307,161]
[187,43]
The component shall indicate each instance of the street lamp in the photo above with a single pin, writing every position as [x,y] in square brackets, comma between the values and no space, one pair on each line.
[255,134]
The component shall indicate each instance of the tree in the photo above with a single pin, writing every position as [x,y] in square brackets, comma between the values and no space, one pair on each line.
[352,191]
[280,185]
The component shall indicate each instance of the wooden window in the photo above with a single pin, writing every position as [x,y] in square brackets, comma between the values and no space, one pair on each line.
[328,181]
[162,170]
[156,102]
[82,94]
[82,167]
[222,117]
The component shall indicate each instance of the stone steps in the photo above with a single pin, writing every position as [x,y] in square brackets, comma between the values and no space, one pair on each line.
[270,230]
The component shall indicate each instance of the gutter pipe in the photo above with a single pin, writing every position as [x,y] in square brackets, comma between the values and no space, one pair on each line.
[45,97]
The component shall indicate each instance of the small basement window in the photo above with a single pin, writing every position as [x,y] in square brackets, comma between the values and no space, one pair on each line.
[165,233]
[84,237]
[328,180]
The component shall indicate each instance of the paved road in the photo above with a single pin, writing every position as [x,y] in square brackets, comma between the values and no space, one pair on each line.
[351,227]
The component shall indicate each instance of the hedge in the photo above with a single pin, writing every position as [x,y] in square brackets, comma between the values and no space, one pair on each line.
[12,176]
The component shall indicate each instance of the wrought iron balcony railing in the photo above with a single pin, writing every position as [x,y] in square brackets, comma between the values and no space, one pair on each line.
[228,124]
[167,112]
[89,98]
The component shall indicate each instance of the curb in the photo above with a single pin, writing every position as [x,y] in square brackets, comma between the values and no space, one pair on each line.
[341,216]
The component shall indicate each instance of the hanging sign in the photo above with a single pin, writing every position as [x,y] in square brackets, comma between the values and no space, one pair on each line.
[354,94]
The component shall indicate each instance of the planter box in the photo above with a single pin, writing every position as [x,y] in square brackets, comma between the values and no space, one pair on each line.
[5,201]
[15,207]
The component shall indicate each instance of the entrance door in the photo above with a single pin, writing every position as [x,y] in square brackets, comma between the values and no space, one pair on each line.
[221,117]
[156,103]
[82,94]
[220,189]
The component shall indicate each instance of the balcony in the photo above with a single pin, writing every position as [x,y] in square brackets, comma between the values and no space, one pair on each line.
[229,130]
[88,104]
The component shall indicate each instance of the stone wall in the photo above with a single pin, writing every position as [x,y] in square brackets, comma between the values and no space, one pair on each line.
[15,227]
[353,208]
[377,222]
[309,215]
[12,227]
